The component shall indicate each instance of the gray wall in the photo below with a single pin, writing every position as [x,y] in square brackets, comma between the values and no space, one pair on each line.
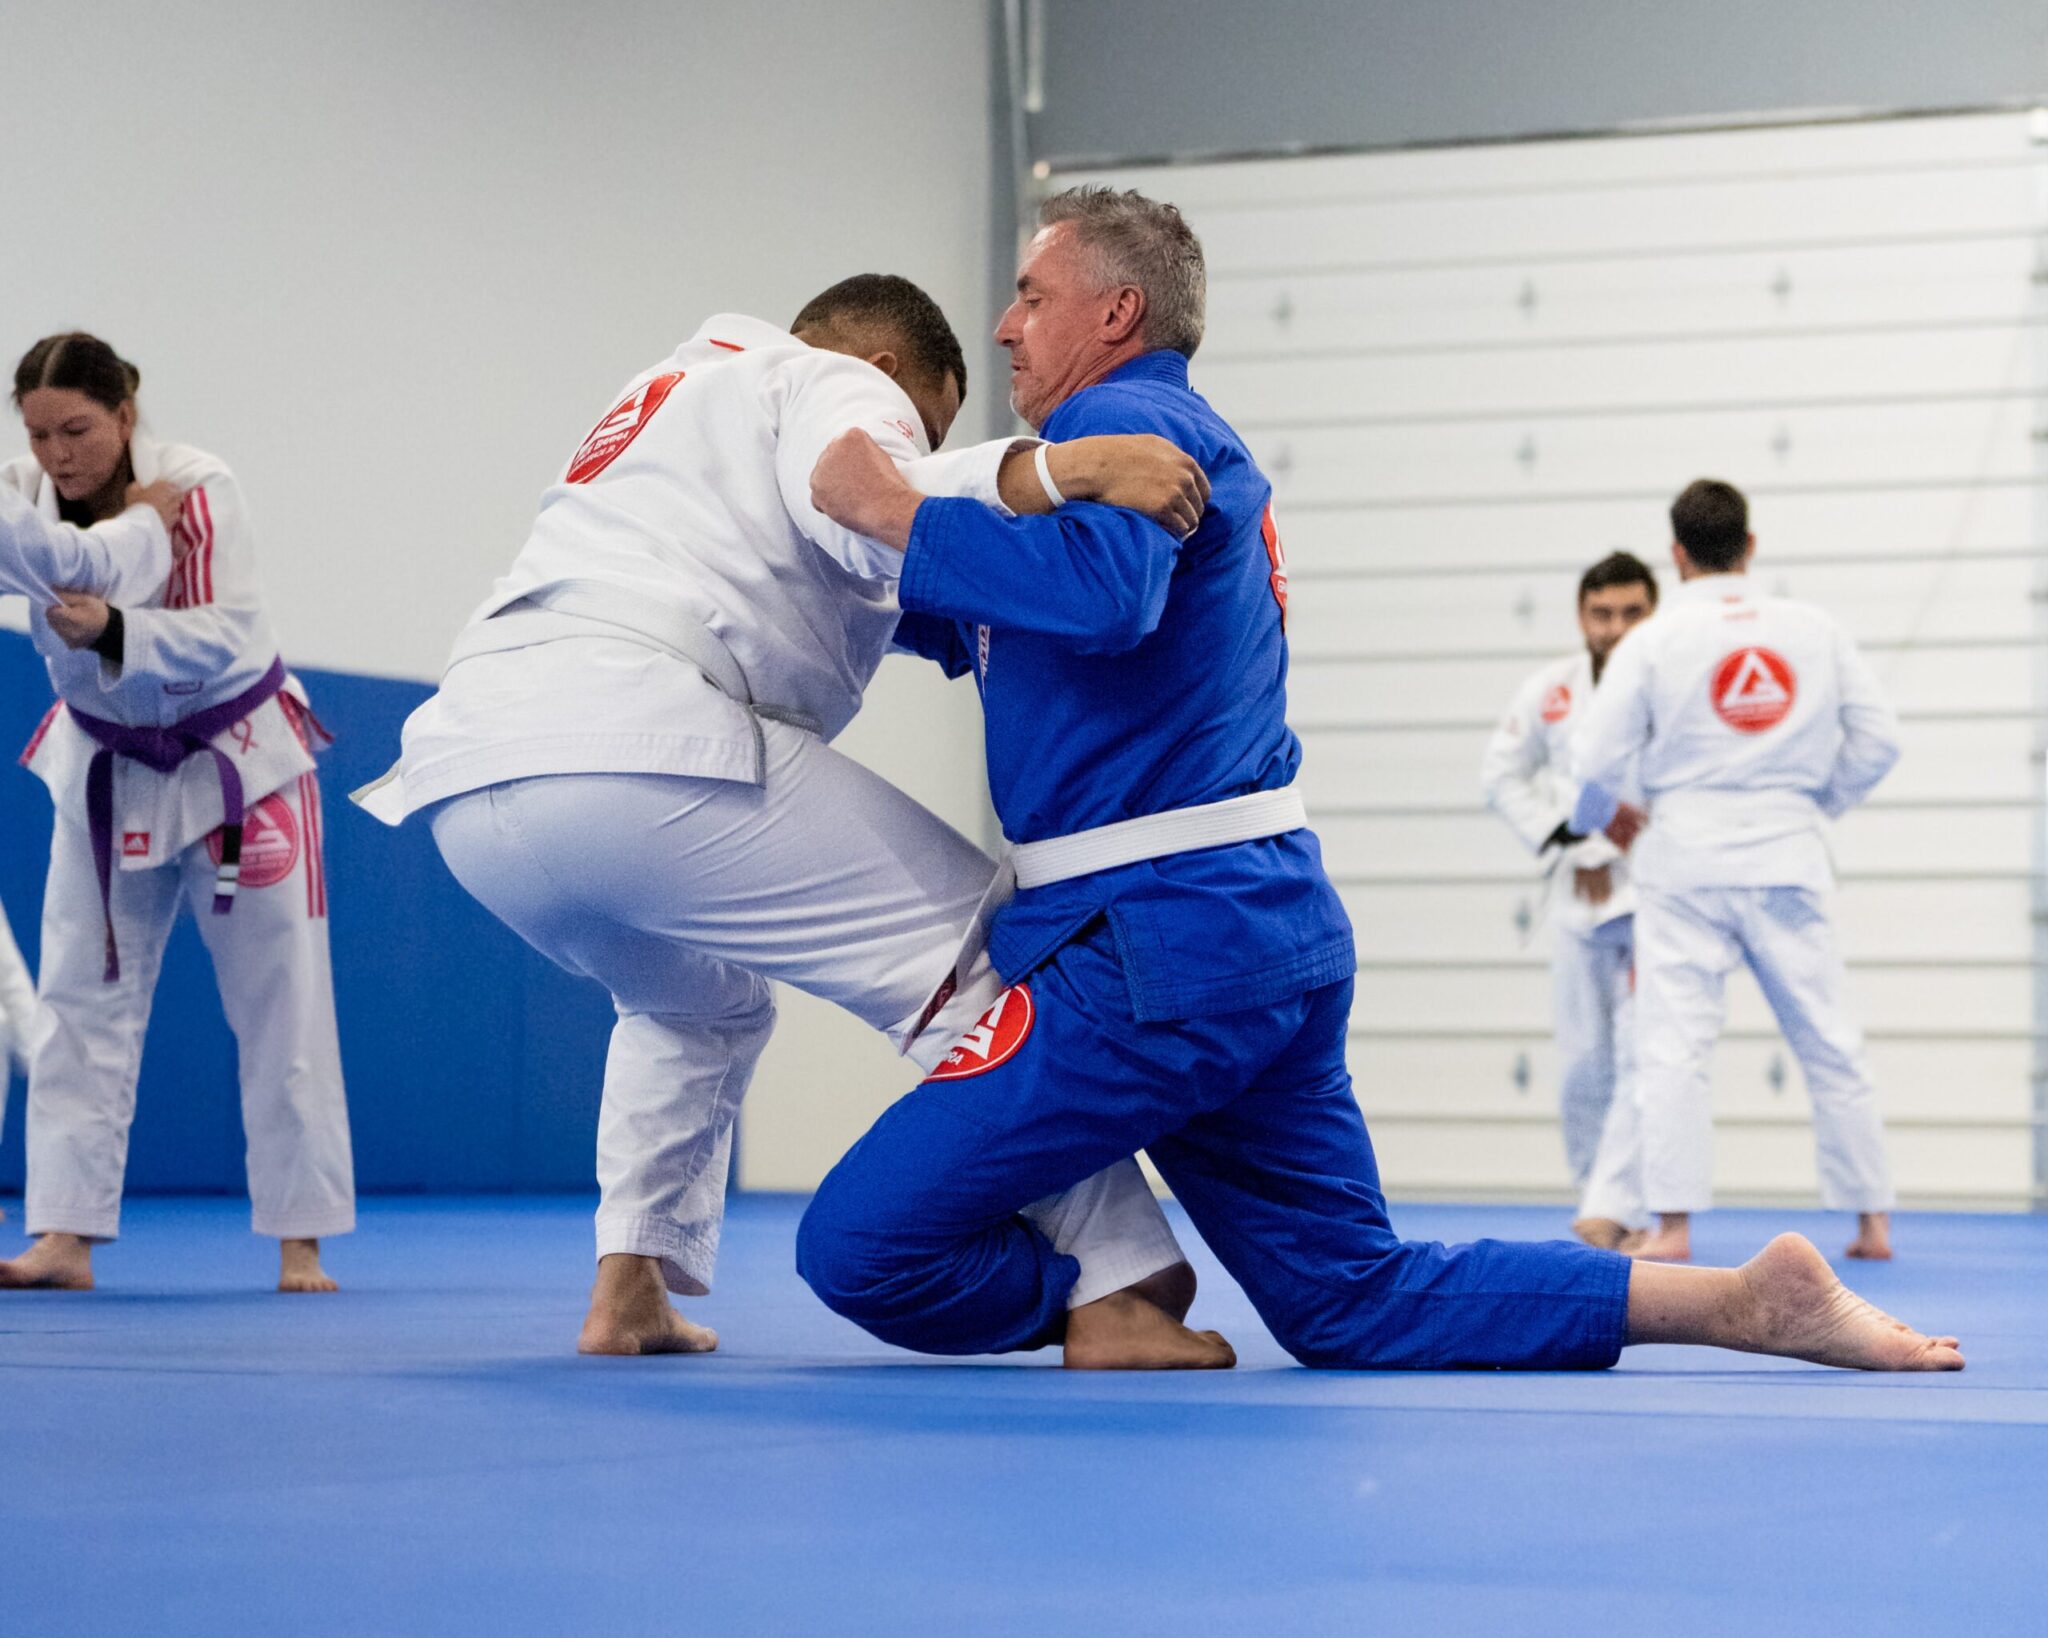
[1132,79]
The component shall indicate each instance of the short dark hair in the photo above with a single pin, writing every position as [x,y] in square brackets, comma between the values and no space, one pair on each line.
[77,362]
[1148,243]
[1710,519]
[1618,569]
[906,313]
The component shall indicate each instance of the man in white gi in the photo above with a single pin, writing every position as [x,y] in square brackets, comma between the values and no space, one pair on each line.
[673,648]
[1756,721]
[1525,775]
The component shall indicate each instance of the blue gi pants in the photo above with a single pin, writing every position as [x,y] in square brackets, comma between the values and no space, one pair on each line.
[1250,1117]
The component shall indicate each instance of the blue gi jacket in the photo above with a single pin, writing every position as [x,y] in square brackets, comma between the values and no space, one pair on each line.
[1122,673]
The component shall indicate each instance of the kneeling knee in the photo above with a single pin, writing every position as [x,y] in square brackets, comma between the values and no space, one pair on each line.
[837,1252]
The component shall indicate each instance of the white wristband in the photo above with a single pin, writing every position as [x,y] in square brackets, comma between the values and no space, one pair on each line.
[1052,490]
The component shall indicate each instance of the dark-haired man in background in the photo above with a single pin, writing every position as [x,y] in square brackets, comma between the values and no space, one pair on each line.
[1755,721]
[1526,776]
[626,764]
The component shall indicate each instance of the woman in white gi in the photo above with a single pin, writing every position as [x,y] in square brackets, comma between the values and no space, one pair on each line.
[179,758]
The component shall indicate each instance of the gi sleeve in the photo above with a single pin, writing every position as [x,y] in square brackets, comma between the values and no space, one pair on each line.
[123,560]
[213,607]
[1870,733]
[1616,729]
[933,639]
[817,397]
[1093,576]
[1511,771]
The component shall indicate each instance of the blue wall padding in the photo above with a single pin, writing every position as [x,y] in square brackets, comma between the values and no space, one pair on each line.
[472,1063]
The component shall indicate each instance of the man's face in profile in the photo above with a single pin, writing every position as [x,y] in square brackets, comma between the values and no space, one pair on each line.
[1052,328]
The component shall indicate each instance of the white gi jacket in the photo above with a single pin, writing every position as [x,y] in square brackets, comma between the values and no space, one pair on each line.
[198,639]
[1756,720]
[693,495]
[1526,775]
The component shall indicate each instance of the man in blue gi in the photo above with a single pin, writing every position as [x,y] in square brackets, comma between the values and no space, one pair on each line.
[1180,965]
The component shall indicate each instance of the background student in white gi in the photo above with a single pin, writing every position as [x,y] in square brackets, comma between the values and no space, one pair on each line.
[1525,774]
[175,717]
[1757,722]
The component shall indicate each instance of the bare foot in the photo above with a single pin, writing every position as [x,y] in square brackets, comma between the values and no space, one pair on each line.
[1124,1332]
[56,1262]
[1873,1242]
[630,1312]
[1633,1242]
[1796,1306]
[298,1267]
[1601,1233]
[1670,1241]
[1172,1289]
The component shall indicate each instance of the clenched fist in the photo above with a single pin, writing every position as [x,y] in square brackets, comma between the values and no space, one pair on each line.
[78,618]
[168,500]
[1137,471]
[858,487]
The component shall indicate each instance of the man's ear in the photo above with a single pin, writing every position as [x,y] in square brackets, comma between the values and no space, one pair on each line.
[1748,550]
[888,363]
[1681,559]
[1125,316]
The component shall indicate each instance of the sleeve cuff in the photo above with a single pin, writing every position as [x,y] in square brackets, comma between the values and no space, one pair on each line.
[974,473]
[1595,811]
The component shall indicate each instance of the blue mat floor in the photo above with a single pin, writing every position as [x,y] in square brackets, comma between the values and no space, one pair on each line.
[186,1452]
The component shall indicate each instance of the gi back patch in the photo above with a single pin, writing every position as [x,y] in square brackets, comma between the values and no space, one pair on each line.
[993,1042]
[621,425]
[270,843]
[1753,689]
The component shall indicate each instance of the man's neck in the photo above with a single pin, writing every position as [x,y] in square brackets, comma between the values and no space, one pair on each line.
[1101,370]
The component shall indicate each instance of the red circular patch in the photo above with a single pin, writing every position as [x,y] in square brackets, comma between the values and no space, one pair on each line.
[270,843]
[621,425]
[1557,704]
[994,1041]
[1753,689]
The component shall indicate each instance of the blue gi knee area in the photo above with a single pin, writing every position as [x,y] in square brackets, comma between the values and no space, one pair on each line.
[876,1250]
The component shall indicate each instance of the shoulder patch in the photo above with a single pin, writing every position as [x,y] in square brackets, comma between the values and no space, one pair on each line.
[622,423]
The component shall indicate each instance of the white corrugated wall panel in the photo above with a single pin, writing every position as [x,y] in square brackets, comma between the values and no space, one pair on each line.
[1471,372]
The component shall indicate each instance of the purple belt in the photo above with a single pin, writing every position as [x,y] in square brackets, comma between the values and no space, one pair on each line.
[166,750]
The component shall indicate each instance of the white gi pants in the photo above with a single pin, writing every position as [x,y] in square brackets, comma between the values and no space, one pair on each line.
[1613,1185]
[270,957]
[1588,986]
[1686,946]
[17,1011]
[684,897]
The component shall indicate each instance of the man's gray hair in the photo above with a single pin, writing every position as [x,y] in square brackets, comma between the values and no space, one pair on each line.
[1140,241]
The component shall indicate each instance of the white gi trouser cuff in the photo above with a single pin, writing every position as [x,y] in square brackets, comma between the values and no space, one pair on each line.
[687,1256]
[305,1228]
[1112,1225]
[87,1222]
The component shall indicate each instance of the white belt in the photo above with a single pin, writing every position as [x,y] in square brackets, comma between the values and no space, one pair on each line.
[570,607]
[1154,836]
[1158,835]
[591,608]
